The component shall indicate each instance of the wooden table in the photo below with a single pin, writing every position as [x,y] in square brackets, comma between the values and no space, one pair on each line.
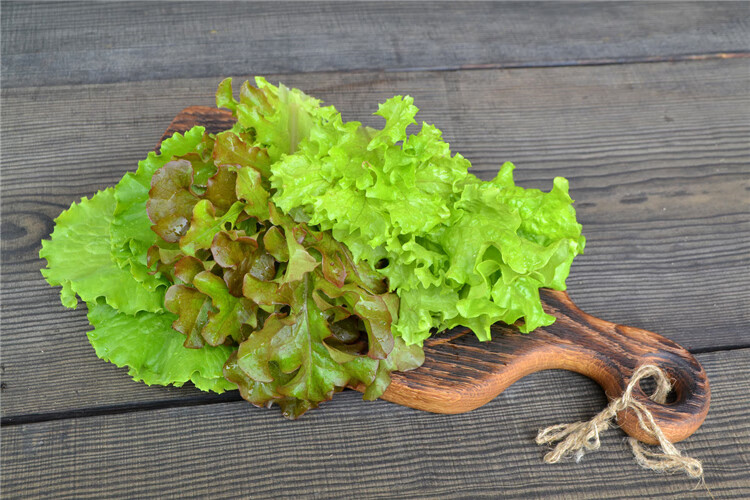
[645,108]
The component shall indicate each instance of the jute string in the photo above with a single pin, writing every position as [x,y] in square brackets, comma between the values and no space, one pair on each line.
[574,439]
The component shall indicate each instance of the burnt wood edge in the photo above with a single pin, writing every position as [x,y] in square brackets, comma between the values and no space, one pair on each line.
[461,374]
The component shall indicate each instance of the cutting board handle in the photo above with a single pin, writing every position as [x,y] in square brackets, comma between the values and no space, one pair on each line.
[605,352]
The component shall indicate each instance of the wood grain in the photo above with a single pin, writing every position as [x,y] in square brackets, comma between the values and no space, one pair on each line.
[461,374]
[657,155]
[72,43]
[663,203]
[354,449]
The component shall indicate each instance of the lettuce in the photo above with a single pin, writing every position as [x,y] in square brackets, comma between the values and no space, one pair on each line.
[192,244]
[457,250]
[296,254]
[305,318]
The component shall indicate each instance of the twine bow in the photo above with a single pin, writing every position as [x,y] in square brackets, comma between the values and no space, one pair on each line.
[574,439]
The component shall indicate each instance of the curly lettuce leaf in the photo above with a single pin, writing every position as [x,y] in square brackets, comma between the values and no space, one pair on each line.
[229,313]
[233,149]
[295,344]
[153,352]
[278,116]
[205,224]
[316,349]
[130,329]
[78,259]
[330,325]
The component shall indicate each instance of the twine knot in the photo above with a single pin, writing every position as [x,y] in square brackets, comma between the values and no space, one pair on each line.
[574,439]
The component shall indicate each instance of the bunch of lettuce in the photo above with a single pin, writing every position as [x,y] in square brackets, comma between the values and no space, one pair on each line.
[294,254]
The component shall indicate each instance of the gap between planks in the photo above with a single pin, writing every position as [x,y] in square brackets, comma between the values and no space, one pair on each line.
[201,400]
[582,63]
[571,63]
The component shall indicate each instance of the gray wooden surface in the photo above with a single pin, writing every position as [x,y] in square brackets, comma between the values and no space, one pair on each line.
[645,108]
[120,41]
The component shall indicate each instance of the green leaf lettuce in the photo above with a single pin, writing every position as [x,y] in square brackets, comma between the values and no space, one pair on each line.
[457,250]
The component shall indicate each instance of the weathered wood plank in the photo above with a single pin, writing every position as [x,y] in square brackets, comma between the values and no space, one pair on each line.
[656,154]
[353,449]
[58,43]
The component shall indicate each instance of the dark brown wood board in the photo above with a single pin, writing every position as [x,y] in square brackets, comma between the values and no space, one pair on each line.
[660,215]
[461,374]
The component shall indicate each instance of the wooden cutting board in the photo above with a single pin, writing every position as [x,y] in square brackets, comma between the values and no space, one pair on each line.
[460,373]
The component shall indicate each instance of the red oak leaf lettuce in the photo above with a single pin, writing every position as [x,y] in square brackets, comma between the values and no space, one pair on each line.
[307,320]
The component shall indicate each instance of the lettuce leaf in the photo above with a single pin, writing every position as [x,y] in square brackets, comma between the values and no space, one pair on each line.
[130,327]
[79,259]
[154,353]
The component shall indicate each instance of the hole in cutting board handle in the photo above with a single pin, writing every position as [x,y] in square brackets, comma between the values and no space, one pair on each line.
[678,417]
[648,387]
[679,375]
